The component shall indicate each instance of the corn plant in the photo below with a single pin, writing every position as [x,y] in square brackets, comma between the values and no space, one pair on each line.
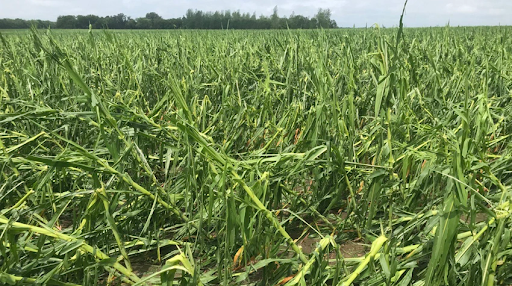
[215,157]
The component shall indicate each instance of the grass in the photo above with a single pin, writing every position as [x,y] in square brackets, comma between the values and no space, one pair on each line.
[212,156]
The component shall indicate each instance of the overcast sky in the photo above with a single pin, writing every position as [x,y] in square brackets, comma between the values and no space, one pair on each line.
[346,12]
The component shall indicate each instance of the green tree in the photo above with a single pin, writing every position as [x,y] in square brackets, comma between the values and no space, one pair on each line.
[143,23]
[66,22]
[323,19]
[274,19]
[82,22]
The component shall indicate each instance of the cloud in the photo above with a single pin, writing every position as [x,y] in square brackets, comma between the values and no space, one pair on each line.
[47,3]
[462,9]
[345,12]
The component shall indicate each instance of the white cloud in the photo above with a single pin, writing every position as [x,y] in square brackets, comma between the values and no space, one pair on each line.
[497,12]
[461,9]
[47,3]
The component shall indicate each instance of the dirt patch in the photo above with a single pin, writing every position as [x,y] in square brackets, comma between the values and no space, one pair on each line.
[479,217]
[351,249]
[308,244]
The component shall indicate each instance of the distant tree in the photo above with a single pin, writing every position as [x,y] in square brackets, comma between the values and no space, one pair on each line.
[193,19]
[313,23]
[143,23]
[264,23]
[323,18]
[188,20]
[172,23]
[21,23]
[298,22]
[215,20]
[119,21]
[40,24]
[82,22]
[155,20]
[274,19]
[131,23]
[198,19]
[66,22]
[153,16]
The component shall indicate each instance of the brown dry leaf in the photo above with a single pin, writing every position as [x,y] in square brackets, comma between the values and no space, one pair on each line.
[285,280]
[238,256]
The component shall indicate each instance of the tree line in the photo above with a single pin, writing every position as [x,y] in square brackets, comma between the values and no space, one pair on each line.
[193,19]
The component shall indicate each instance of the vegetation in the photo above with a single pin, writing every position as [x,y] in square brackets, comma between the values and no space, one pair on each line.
[256,157]
[194,19]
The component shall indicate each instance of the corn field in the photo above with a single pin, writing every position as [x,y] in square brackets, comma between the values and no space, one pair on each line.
[328,157]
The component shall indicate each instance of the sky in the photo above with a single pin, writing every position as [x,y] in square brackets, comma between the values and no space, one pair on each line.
[347,13]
